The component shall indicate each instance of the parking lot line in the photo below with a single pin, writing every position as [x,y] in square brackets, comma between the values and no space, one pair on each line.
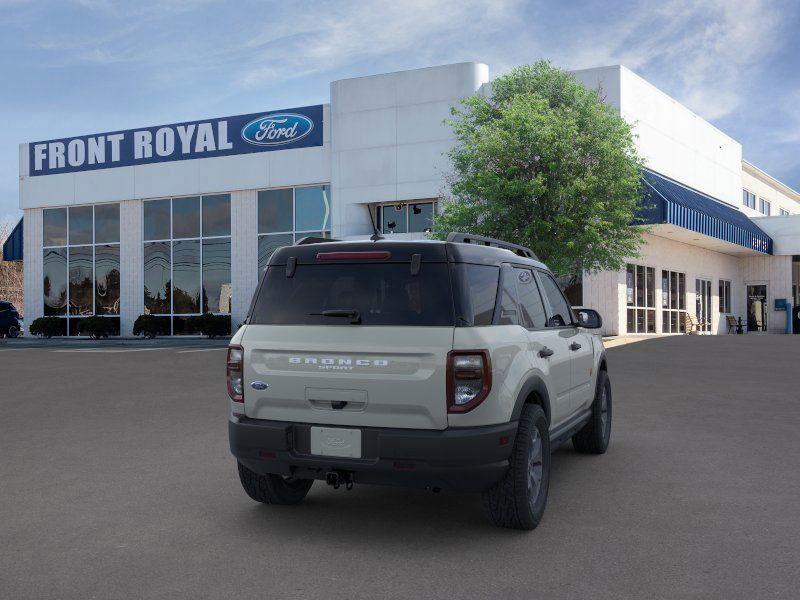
[203,350]
[116,350]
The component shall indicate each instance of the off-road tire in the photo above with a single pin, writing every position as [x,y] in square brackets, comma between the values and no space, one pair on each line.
[596,434]
[273,489]
[512,502]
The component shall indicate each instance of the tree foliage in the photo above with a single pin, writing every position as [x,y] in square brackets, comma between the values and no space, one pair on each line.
[545,163]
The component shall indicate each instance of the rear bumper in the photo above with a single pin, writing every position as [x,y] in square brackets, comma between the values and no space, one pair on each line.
[465,459]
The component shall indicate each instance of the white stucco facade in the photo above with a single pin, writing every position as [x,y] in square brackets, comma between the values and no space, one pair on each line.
[385,142]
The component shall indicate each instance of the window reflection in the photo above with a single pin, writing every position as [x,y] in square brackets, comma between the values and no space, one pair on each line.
[186,217]
[217,275]
[54,269]
[186,277]
[81,284]
[106,223]
[217,215]
[106,273]
[267,244]
[191,273]
[54,225]
[157,278]
[80,225]
[420,217]
[312,208]
[157,220]
[80,278]
[394,219]
[275,211]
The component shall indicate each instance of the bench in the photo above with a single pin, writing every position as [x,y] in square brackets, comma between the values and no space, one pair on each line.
[691,323]
[730,320]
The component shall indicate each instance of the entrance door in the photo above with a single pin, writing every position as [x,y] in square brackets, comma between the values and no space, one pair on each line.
[703,296]
[757,307]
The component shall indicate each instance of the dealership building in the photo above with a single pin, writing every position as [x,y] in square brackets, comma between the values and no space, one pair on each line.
[180,219]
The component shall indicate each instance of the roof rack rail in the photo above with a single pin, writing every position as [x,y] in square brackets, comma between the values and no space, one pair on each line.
[312,239]
[468,238]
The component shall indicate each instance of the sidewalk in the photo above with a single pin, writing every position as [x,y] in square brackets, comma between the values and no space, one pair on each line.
[64,342]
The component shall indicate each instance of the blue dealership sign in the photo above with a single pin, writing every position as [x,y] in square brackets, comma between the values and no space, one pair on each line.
[241,134]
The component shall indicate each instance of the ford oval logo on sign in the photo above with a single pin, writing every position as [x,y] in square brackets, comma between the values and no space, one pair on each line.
[277,129]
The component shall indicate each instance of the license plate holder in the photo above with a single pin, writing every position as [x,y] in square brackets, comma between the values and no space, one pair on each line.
[335,441]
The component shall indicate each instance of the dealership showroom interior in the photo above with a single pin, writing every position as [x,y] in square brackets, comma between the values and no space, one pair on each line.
[181,219]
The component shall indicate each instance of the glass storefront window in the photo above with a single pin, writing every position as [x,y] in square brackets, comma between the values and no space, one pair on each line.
[401,217]
[81,276]
[107,276]
[188,272]
[186,277]
[275,210]
[217,215]
[81,285]
[290,214]
[420,217]
[312,208]
[106,224]
[157,218]
[217,275]
[54,222]
[80,225]
[673,296]
[267,244]
[186,217]
[54,268]
[394,219]
[641,297]
[157,269]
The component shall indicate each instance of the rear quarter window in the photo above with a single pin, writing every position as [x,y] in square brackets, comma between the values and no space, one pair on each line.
[382,293]
[475,289]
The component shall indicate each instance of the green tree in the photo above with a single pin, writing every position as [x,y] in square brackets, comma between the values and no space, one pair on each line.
[545,163]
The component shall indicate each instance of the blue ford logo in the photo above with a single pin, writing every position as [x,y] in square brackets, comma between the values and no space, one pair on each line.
[277,129]
[259,385]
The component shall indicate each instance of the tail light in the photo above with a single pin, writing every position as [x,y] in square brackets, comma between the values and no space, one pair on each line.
[235,373]
[469,379]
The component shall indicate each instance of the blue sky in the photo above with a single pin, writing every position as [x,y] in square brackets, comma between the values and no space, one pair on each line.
[86,66]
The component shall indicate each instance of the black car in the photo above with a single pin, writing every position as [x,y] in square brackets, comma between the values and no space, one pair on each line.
[10,325]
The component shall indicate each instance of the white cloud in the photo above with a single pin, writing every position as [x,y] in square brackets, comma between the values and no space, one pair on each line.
[338,35]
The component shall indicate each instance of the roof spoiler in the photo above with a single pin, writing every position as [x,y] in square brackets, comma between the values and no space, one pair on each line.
[468,238]
[313,240]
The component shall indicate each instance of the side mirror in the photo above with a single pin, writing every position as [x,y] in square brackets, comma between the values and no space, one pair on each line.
[589,318]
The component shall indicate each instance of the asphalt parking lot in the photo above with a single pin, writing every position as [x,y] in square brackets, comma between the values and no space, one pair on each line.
[116,482]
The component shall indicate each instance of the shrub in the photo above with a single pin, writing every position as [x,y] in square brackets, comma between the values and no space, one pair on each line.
[211,325]
[150,326]
[96,327]
[48,326]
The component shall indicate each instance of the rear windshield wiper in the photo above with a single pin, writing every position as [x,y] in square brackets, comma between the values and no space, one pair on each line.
[353,315]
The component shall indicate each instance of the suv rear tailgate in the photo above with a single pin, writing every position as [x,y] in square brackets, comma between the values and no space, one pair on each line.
[375,376]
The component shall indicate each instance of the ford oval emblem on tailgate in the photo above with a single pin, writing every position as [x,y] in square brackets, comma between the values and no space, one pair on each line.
[259,385]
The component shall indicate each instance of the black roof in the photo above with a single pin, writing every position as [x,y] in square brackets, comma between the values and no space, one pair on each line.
[401,251]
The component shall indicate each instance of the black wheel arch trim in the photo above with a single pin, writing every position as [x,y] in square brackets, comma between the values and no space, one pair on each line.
[602,362]
[534,385]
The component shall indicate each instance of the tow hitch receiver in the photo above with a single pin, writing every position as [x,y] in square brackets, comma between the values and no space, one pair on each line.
[339,478]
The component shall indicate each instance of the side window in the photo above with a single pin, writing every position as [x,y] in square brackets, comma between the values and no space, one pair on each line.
[530,301]
[562,315]
[507,315]
[475,290]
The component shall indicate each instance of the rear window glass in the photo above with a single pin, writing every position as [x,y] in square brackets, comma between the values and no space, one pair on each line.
[381,293]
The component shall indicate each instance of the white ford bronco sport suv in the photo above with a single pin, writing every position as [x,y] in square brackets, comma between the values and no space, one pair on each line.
[452,365]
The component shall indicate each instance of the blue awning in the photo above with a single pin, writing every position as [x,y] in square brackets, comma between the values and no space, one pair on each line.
[676,204]
[12,248]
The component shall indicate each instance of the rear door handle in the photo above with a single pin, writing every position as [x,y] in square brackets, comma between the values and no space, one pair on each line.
[574,346]
[545,352]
